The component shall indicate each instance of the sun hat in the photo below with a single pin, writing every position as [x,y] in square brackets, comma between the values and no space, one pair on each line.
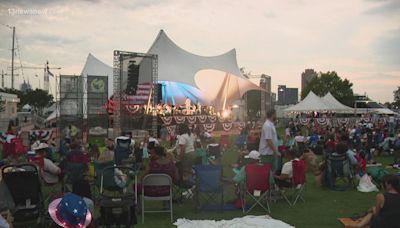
[40,146]
[253,155]
[70,211]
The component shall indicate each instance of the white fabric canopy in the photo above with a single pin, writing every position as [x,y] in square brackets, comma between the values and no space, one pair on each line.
[95,67]
[53,115]
[311,103]
[178,65]
[335,105]
[26,107]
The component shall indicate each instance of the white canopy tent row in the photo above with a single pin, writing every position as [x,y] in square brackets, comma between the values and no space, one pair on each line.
[335,105]
[328,103]
[314,103]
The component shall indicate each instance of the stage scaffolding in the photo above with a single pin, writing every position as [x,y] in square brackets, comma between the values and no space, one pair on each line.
[71,105]
[147,73]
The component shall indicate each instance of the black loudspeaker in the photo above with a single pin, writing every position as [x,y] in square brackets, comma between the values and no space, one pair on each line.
[159,93]
[133,78]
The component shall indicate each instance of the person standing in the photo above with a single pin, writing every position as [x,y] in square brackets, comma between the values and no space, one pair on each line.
[187,155]
[268,147]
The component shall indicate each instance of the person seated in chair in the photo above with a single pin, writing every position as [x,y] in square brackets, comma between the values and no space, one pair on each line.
[50,171]
[76,154]
[160,164]
[284,179]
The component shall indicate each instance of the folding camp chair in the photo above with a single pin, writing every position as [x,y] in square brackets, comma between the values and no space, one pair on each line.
[157,180]
[298,182]
[209,187]
[214,153]
[257,185]
[338,170]
[122,150]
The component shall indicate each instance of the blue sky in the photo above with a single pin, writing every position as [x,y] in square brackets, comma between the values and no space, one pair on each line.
[360,39]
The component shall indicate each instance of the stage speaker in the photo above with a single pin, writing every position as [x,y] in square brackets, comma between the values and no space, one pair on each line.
[133,78]
[159,93]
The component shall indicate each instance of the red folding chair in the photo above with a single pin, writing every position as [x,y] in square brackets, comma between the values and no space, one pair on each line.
[257,185]
[298,182]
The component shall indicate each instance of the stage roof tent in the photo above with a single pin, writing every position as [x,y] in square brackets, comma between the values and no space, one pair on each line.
[335,105]
[311,103]
[178,65]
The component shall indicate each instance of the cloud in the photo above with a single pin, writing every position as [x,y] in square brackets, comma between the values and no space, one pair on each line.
[387,48]
[389,7]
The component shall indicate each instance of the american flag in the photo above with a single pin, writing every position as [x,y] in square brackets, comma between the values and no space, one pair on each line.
[142,94]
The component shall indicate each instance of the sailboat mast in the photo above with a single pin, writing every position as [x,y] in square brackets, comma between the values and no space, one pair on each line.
[12,58]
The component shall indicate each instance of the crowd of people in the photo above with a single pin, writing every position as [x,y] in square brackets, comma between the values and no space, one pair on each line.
[176,156]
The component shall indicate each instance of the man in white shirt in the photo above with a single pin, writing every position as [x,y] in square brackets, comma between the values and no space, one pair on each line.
[285,178]
[269,141]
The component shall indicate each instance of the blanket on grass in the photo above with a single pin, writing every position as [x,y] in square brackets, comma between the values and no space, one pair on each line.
[249,221]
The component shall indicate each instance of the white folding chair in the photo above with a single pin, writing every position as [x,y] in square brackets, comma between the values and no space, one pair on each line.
[154,180]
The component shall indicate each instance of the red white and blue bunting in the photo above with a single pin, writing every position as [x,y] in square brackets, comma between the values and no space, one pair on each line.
[40,134]
[202,118]
[179,119]
[212,119]
[191,119]
[167,120]
[209,127]
[171,130]
[227,126]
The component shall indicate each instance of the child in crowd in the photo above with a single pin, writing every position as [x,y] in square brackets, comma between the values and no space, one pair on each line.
[200,153]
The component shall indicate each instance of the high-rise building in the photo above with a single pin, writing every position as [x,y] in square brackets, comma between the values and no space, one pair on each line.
[307,76]
[287,96]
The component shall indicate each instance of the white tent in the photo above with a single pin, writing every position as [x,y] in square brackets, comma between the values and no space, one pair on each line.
[26,107]
[176,65]
[53,115]
[95,67]
[211,74]
[311,103]
[335,105]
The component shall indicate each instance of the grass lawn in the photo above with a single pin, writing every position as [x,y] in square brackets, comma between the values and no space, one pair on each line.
[322,207]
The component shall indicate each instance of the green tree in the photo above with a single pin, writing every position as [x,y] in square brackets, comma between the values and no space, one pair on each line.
[331,82]
[396,97]
[39,98]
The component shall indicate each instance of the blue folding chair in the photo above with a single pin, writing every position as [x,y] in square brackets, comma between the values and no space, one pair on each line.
[209,188]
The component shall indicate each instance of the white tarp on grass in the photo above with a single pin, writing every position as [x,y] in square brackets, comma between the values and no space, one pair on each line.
[250,221]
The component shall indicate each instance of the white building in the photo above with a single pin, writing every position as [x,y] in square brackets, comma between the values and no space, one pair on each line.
[10,109]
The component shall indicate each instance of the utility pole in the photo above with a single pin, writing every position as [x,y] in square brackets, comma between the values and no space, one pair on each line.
[2,79]
[12,58]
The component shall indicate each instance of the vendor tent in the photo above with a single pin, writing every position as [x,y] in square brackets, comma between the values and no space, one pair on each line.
[334,105]
[311,103]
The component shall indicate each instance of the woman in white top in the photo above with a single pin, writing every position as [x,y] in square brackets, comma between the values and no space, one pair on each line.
[186,155]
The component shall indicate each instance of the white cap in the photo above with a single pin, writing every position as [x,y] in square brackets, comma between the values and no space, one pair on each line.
[253,155]
[41,146]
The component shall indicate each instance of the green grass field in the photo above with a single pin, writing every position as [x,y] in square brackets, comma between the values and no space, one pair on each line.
[321,209]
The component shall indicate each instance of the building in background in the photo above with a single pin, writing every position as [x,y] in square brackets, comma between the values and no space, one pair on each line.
[25,87]
[287,96]
[307,76]
[9,110]
[259,102]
